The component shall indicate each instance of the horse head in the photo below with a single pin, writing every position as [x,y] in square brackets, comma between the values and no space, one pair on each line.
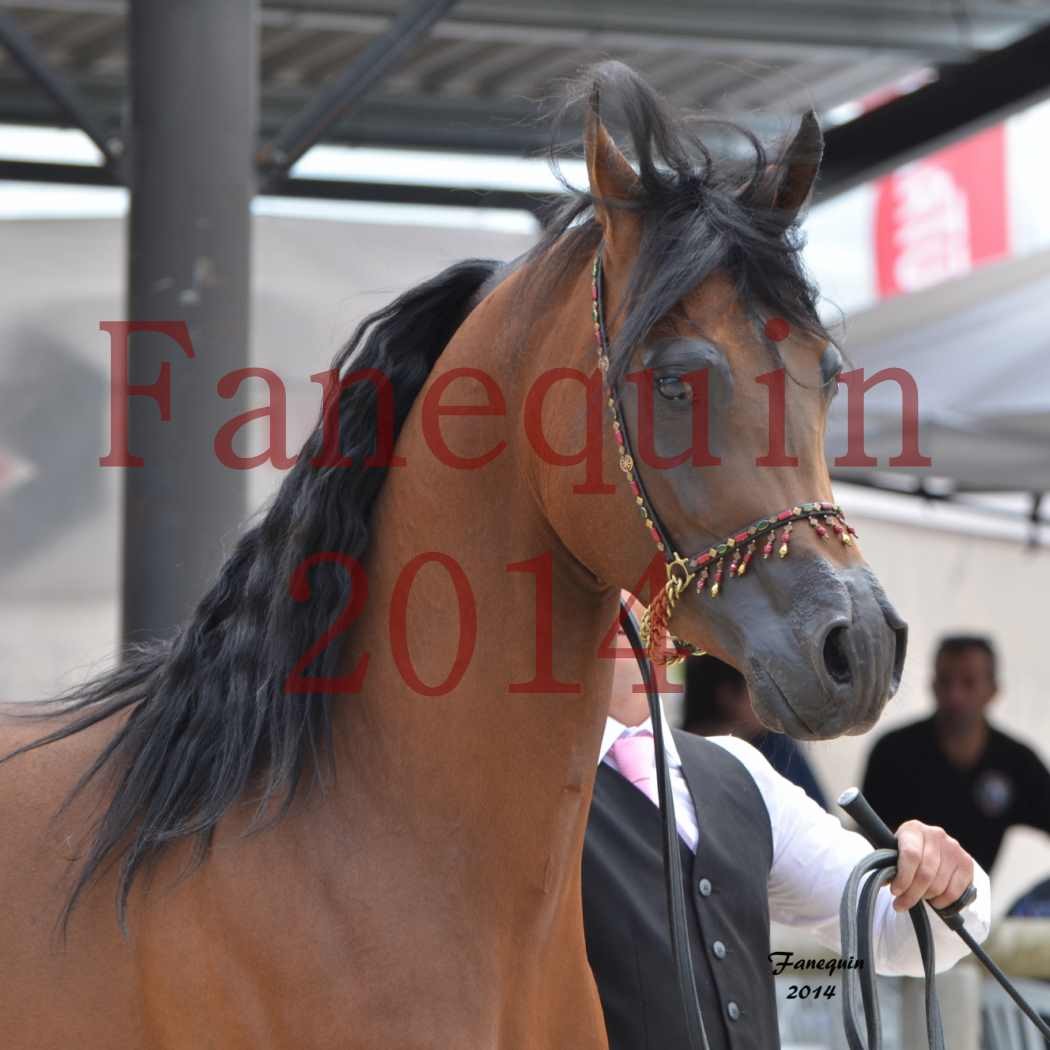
[718,374]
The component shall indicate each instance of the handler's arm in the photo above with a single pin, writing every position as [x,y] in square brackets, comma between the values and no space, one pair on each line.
[813,856]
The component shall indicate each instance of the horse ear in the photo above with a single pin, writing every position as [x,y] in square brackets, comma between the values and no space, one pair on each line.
[610,175]
[800,163]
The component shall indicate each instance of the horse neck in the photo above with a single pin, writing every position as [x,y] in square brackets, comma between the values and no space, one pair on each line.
[462,561]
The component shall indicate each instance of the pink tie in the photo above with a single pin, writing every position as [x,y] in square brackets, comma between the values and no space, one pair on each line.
[636,760]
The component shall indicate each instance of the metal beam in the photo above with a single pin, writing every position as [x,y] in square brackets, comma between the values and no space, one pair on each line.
[764,29]
[479,125]
[409,193]
[305,189]
[365,71]
[769,30]
[193,123]
[963,99]
[62,93]
[56,174]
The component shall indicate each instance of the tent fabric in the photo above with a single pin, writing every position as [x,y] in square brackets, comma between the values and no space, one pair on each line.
[978,350]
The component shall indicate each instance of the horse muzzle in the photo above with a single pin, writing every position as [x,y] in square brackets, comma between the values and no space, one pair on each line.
[829,665]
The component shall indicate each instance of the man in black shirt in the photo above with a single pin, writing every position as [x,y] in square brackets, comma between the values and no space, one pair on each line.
[954,769]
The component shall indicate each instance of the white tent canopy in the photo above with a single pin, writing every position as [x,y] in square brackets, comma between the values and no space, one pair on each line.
[978,349]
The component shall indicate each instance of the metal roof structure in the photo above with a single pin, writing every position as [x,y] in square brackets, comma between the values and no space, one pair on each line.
[470,82]
[472,79]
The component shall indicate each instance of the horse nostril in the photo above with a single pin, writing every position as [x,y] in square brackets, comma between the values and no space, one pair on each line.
[900,642]
[835,658]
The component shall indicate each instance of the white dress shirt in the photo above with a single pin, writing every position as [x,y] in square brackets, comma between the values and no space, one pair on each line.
[813,855]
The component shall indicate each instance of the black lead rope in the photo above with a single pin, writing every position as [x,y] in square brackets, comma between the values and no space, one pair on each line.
[676,903]
[856,919]
[856,916]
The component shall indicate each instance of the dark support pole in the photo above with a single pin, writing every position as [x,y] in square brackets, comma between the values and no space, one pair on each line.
[194,109]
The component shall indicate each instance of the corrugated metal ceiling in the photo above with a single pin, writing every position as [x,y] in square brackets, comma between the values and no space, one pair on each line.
[474,82]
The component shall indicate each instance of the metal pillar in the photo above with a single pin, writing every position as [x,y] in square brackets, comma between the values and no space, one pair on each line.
[194,114]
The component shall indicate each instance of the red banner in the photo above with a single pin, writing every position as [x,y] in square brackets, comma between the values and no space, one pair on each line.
[942,215]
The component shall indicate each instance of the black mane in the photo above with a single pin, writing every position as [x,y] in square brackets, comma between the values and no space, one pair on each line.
[211,714]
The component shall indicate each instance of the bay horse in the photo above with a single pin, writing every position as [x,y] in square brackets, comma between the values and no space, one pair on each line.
[344,805]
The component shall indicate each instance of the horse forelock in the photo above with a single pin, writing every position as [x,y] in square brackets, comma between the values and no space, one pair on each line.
[705,203]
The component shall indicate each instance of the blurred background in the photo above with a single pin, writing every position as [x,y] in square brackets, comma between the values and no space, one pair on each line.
[378,143]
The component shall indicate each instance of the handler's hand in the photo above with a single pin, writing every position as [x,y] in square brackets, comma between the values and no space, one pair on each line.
[931,866]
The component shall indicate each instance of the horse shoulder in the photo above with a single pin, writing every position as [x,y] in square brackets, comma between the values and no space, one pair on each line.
[93,964]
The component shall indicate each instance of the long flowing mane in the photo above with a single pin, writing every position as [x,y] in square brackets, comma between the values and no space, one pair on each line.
[208,717]
[209,712]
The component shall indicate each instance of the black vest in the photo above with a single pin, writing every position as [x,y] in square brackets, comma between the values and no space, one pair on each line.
[625,908]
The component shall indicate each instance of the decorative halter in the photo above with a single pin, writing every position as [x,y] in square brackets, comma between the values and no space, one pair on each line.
[710,568]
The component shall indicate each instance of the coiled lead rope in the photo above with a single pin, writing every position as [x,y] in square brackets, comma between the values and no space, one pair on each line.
[856,917]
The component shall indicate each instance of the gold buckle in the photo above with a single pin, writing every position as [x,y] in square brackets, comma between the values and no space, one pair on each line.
[662,606]
[676,581]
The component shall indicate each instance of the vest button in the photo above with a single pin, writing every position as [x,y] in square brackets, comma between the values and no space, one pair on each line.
[733,1010]
[719,949]
[704,886]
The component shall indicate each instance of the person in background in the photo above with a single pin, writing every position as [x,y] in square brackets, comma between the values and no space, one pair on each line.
[953,768]
[754,847]
[1034,903]
[717,703]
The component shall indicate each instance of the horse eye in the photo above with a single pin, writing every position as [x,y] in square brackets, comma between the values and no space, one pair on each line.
[674,388]
[831,365]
